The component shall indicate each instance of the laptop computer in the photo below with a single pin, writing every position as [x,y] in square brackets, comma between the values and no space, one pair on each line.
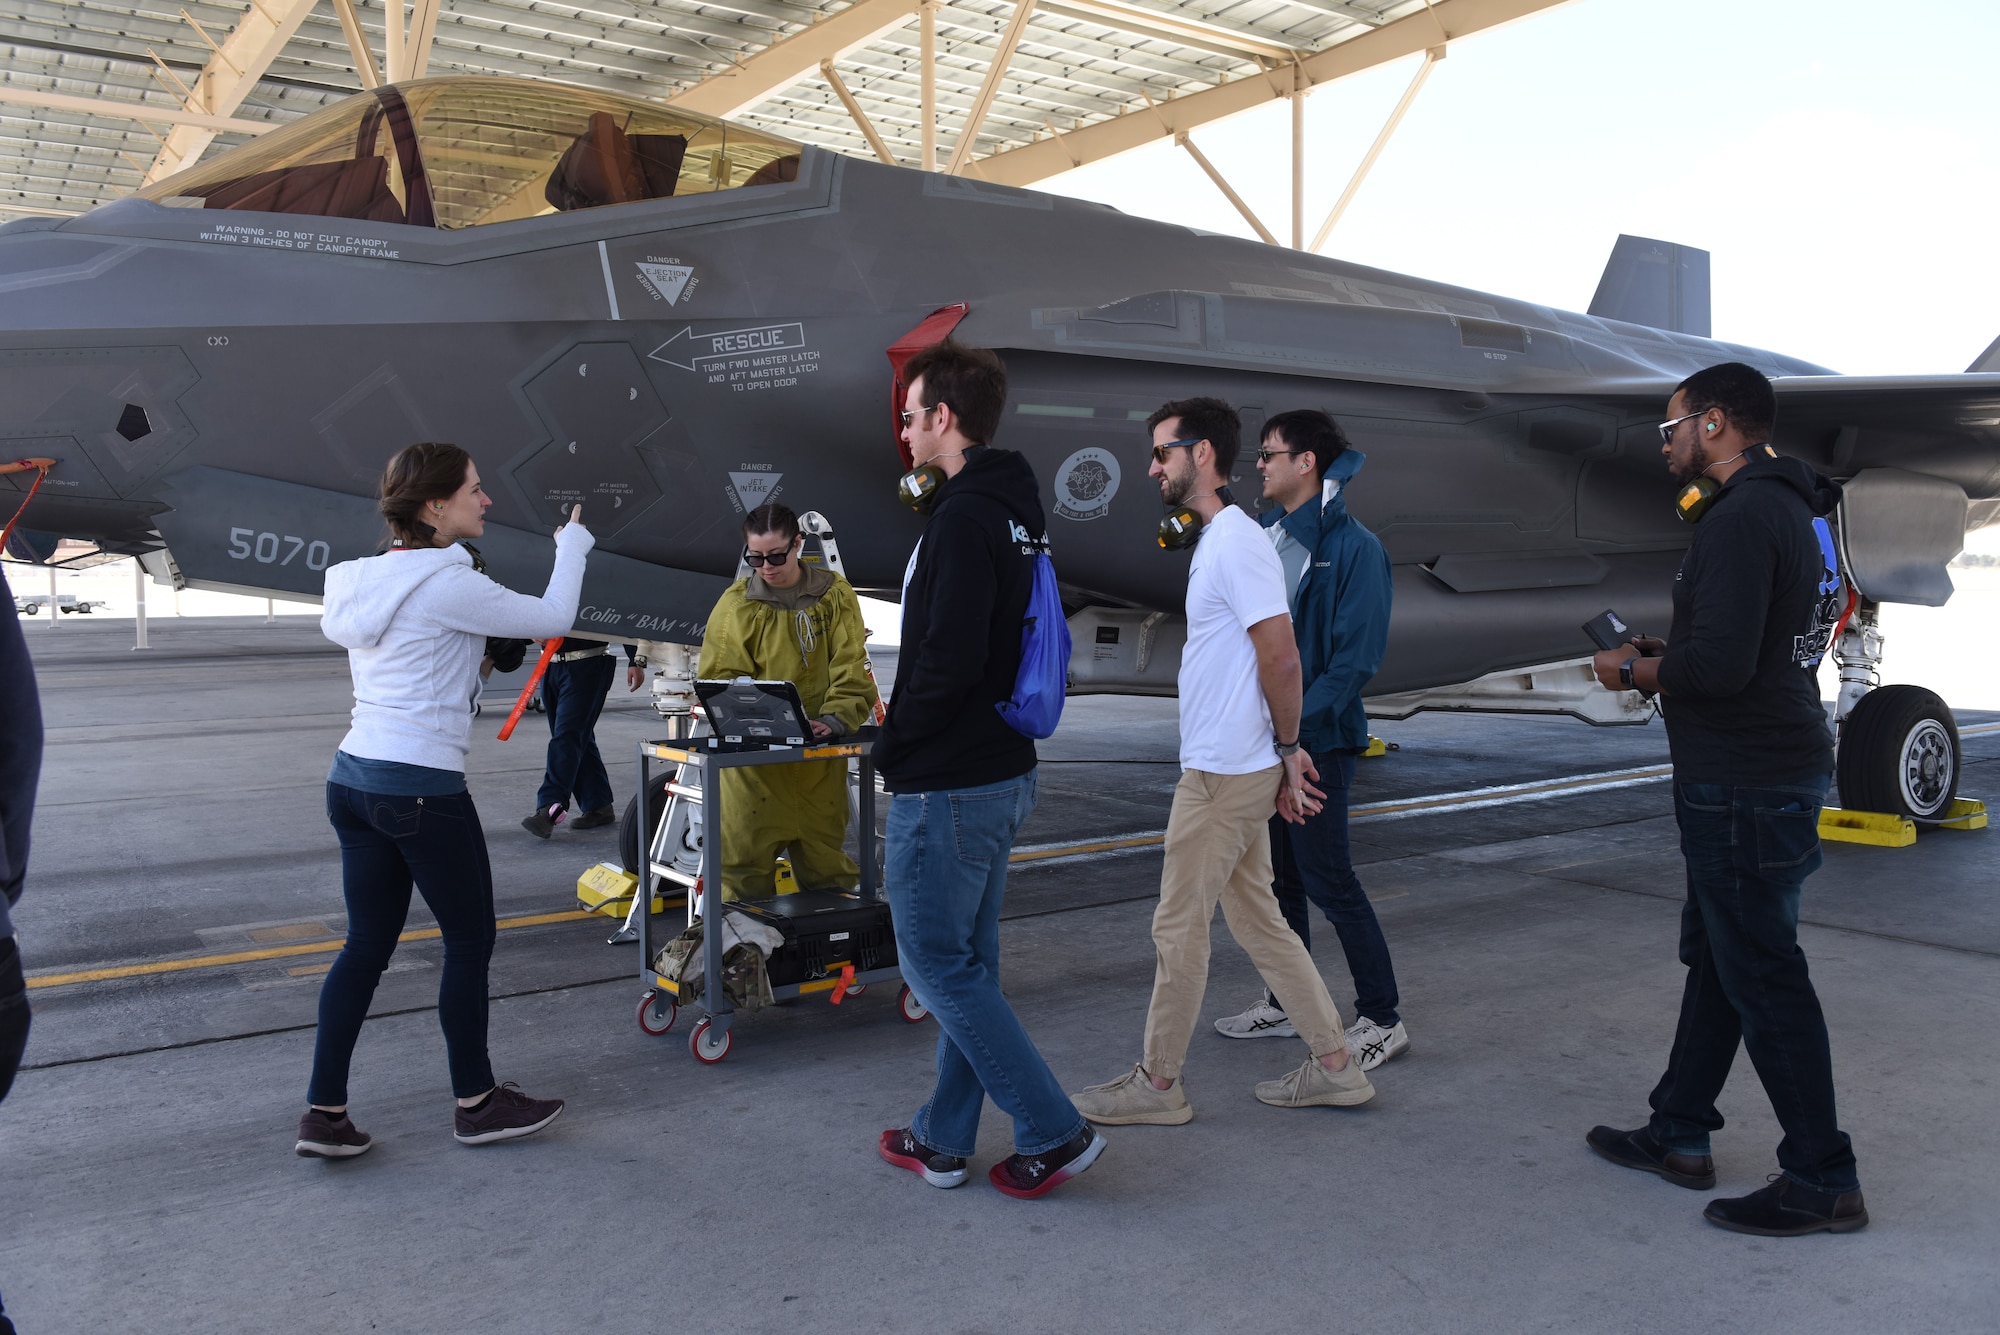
[754,713]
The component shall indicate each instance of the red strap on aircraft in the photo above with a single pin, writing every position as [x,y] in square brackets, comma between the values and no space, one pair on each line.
[21,466]
[528,691]
[934,328]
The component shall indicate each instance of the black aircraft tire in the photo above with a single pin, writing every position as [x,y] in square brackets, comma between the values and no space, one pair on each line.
[1899,754]
[629,846]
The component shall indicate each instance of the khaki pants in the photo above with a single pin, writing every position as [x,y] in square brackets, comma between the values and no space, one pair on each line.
[1219,848]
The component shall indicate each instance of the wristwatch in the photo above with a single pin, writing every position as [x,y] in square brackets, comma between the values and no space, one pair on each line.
[1283,748]
[1625,674]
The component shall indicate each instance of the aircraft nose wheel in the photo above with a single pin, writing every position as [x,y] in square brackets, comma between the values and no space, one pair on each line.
[1899,753]
[913,1010]
[657,1012]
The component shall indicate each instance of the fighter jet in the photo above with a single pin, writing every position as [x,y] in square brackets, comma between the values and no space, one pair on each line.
[673,319]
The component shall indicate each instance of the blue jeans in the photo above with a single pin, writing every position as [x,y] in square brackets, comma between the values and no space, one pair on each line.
[1748,851]
[947,872]
[1311,863]
[573,693]
[386,843]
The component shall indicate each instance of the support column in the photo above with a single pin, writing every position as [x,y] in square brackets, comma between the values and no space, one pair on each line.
[270,610]
[927,58]
[55,613]
[139,592]
[1298,158]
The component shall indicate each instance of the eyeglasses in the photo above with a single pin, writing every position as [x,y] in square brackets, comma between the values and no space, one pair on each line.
[756,560]
[910,415]
[1160,451]
[1265,456]
[1666,429]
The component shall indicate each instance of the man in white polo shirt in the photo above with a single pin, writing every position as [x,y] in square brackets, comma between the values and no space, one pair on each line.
[1240,758]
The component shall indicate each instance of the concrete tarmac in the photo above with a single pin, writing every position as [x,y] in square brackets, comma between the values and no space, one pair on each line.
[145,1155]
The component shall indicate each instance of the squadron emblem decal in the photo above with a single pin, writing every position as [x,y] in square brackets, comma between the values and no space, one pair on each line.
[1085,484]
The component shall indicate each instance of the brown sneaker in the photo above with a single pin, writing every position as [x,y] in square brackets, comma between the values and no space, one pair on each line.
[508,1114]
[324,1135]
[590,820]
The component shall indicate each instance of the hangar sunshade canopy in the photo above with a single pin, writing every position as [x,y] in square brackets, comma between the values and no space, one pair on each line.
[99,98]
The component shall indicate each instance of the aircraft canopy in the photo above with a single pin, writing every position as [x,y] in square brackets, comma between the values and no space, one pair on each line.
[461,151]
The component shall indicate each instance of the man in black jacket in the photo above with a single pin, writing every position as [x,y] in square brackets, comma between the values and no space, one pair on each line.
[1754,606]
[20,771]
[962,780]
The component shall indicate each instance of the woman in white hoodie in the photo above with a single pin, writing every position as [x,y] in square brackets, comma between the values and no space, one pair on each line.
[414,621]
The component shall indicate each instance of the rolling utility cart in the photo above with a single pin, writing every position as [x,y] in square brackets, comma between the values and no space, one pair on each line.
[836,942]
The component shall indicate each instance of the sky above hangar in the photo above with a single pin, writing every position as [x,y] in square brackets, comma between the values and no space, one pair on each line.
[1838,160]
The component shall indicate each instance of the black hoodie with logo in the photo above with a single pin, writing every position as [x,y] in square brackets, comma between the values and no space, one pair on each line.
[964,605]
[1740,679]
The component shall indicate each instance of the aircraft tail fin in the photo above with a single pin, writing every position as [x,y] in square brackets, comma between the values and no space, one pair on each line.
[1655,283]
[1988,360]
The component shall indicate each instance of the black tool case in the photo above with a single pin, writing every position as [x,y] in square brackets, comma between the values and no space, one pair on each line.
[824,929]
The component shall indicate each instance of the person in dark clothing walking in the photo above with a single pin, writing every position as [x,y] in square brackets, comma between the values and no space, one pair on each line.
[1754,607]
[962,780]
[1337,578]
[20,773]
[573,691]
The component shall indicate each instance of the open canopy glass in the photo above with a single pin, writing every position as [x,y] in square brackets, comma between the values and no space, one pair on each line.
[460,151]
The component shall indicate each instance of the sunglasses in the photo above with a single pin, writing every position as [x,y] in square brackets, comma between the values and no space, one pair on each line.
[757,560]
[1666,429]
[910,415]
[1265,456]
[1160,451]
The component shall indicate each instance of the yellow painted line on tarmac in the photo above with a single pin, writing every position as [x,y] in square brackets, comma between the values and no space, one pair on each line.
[269,953]
[1072,850]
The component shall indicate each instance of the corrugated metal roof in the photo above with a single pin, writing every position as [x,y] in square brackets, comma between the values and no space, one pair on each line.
[1079,62]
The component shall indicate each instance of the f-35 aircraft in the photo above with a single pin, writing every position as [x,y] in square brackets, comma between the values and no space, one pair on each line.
[672,319]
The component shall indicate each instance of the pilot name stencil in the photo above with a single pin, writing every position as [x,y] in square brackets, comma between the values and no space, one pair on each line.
[761,357]
[1085,484]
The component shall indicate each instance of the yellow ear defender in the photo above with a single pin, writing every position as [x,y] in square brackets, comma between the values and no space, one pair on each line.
[1698,496]
[1182,526]
[918,488]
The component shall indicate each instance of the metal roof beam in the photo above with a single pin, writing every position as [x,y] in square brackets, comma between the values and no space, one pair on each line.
[231,74]
[1340,9]
[1205,33]
[783,63]
[1406,36]
[136,111]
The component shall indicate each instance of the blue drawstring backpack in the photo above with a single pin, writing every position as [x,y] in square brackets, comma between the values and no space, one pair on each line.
[1043,679]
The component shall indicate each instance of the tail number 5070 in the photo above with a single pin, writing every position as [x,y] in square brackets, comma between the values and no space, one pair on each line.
[249,545]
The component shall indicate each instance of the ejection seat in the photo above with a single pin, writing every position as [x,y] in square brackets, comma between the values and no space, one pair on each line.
[605,165]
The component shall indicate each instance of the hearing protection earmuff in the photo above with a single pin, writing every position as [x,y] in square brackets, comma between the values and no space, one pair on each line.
[1698,496]
[918,488]
[1182,526]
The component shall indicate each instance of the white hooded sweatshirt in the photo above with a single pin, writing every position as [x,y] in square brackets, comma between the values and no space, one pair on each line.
[414,622]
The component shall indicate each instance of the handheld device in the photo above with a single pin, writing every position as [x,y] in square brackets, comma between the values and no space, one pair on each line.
[1607,630]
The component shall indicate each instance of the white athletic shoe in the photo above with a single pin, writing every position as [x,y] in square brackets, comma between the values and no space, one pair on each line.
[1370,1044]
[1262,1020]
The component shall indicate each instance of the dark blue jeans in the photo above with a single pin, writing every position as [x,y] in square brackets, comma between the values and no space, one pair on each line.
[573,693]
[1748,851]
[386,843]
[1312,865]
[947,872]
[13,1039]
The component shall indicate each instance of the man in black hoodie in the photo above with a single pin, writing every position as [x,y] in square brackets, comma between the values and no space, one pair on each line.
[1754,605]
[962,780]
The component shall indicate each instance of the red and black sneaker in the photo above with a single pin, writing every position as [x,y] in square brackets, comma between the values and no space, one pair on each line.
[904,1150]
[1031,1175]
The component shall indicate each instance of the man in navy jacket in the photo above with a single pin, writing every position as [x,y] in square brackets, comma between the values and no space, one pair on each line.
[1338,577]
[20,771]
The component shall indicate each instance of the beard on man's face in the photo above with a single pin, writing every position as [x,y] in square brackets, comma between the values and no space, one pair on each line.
[1697,463]
[1176,487]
